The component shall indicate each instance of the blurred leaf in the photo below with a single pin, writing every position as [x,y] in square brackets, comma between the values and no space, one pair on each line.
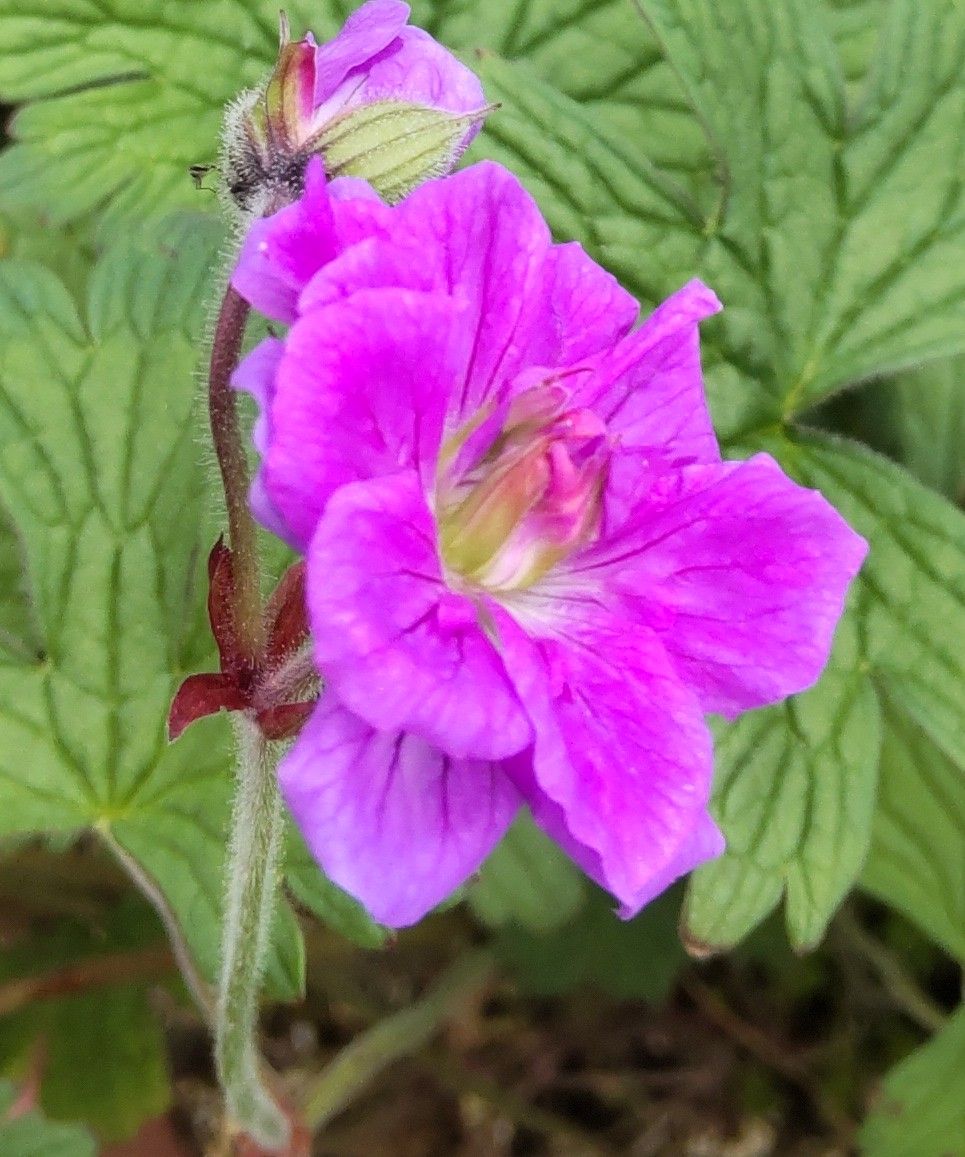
[106,1063]
[856,27]
[794,793]
[637,959]
[113,1089]
[33,1136]
[99,470]
[68,252]
[929,418]
[916,862]
[921,1109]
[527,881]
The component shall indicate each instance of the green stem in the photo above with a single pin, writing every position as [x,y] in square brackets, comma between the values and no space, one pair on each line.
[226,432]
[903,990]
[400,1035]
[252,872]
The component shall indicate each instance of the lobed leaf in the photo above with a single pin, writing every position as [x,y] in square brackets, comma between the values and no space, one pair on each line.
[99,469]
[794,792]
[909,608]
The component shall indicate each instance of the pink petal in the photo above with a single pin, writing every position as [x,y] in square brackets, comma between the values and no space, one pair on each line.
[489,241]
[588,308]
[371,264]
[256,375]
[622,763]
[741,571]
[395,645]
[390,819]
[281,253]
[420,71]
[649,389]
[361,391]
[368,31]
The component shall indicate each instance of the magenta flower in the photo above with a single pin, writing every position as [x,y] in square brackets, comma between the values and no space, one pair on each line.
[381,100]
[529,573]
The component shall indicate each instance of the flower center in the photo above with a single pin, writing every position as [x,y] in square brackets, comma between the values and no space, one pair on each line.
[520,489]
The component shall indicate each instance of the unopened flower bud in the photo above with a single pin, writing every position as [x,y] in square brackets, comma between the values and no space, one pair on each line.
[382,101]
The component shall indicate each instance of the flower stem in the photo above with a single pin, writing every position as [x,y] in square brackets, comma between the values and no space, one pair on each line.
[226,431]
[253,853]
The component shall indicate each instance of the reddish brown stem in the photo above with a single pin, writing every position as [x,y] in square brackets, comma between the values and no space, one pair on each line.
[226,432]
[97,972]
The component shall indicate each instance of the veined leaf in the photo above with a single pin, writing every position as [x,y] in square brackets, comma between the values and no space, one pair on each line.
[901,631]
[916,862]
[98,465]
[910,601]
[825,275]
[794,793]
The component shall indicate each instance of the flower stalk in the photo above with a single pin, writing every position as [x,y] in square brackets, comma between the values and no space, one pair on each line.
[252,873]
[256,822]
[226,432]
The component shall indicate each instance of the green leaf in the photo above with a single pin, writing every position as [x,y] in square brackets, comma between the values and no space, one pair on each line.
[855,26]
[909,608]
[33,1136]
[121,98]
[596,51]
[637,959]
[805,233]
[127,1083]
[861,260]
[527,881]
[921,1109]
[99,470]
[794,793]
[928,415]
[794,787]
[19,638]
[113,1090]
[916,861]
[69,252]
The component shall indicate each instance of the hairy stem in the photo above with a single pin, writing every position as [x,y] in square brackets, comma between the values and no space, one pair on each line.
[226,432]
[252,872]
